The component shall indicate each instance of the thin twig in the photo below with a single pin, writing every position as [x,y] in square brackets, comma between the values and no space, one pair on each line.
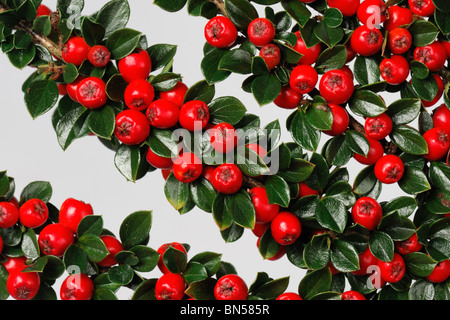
[220,6]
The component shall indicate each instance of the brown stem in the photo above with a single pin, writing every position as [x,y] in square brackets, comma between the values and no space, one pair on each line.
[249,182]
[221,6]
[37,38]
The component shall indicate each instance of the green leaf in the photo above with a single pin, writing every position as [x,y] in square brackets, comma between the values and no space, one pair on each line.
[414,181]
[382,246]
[319,116]
[221,212]
[123,42]
[344,256]
[299,170]
[135,228]
[357,142]
[226,109]
[304,133]
[240,12]
[210,66]
[316,253]
[90,224]
[297,10]
[68,7]
[177,193]
[426,88]
[409,140]
[200,91]
[127,160]
[419,69]
[29,245]
[315,282]
[41,97]
[404,111]
[75,258]
[203,194]
[332,17]
[161,55]
[442,21]
[36,190]
[266,88]
[165,81]
[367,103]
[268,247]
[331,58]
[93,246]
[331,214]
[92,32]
[250,162]
[148,258]
[328,35]
[42,25]
[366,70]
[175,260]
[102,121]
[69,126]
[121,275]
[399,228]
[440,175]
[423,32]
[271,289]
[237,61]
[278,191]
[421,290]
[242,209]
[419,264]
[171,5]
[113,16]
[438,239]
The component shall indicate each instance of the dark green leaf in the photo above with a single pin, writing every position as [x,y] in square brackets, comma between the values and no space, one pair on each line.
[41,97]
[135,228]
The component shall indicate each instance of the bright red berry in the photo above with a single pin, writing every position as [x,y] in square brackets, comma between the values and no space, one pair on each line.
[376,151]
[72,88]
[54,239]
[265,211]
[260,228]
[114,246]
[378,127]
[433,56]
[389,169]
[289,296]
[258,149]
[341,120]
[424,8]
[139,94]
[288,98]
[75,51]
[261,31]
[439,94]
[132,127]
[99,56]
[441,117]
[163,114]
[304,190]
[372,12]
[399,40]
[309,54]
[303,79]
[366,261]
[77,287]
[162,249]
[176,94]
[285,228]
[230,287]
[398,16]
[23,285]
[366,41]
[336,87]
[158,161]
[347,7]
[91,93]
[271,54]
[394,70]
[72,211]
[187,167]
[170,286]
[15,264]
[409,245]
[62,89]
[227,178]
[137,65]
[223,137]
[9,215]
[194,115]
[440,273]
[43,10]
[367,212]
[33,213]
[446,45]
[394,270]
[438,141]
[352,295]
[220,32]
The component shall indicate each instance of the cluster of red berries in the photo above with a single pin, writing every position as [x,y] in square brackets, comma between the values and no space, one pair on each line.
[53,240]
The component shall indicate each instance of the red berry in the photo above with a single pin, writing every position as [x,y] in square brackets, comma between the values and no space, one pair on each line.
[285,228]
[170,286]
[137,65]
[72,88]
[62,89]
[259,150]
[446,45]
[394,70]
[397,16]
[441,117]
[261,31]
[271,54]
[348,72]
[289,296]
[43,10]
[366,261]
[15,264]
[91,93]
[438,142]
[176,94]
[163,114]
[440,273]
[75,51]
[347,7]
[23,285]
[113,246]
[288,98]
[77,287]
[158,161]
[139,94]
[227,178]
[9,215]
[260,228]
[54,239]
[352,295]
[99,56]
[166,173]
[303,79]
[409,245]
[392,271]
[223,137]
[304,190]
[376,151]
[439,94]
[194,115]
[72,211]
[162,249]
[389,169]
[351,54]
[220,32]
[208,172]
[433,55]
[366,41]
[424,8]
[309,55]
[187,167]
[265,211]
[378,127]
[372,12]
[132,127]
[336,87]
[399,40]
[33,213]
[341,120]
[231,287]
[367,212]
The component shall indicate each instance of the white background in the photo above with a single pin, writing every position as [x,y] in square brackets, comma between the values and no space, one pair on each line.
[86,171]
